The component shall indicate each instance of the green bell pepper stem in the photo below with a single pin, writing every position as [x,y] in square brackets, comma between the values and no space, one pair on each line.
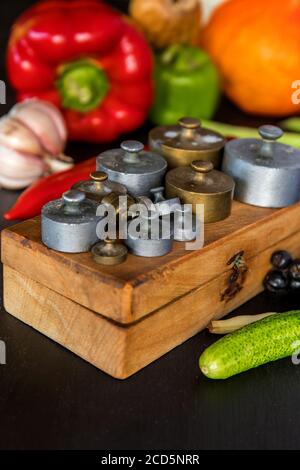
[82,86]
[229,130]
[169,54]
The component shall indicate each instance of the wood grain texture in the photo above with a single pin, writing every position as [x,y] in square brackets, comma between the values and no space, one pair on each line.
[127,292]
[122,350]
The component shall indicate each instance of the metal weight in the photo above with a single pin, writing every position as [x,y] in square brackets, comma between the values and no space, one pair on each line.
[187,141]
[163,206]
[185,224]
[147,203]
[69,224]
[199,183]
[149,241]
[120,203]
[136,169]
[99,186]
[109,252]
[266,172]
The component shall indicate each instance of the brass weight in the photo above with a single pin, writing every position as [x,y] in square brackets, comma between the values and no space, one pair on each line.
[113,199]
[99,186]
[109,252]
[199,183]
[186,142]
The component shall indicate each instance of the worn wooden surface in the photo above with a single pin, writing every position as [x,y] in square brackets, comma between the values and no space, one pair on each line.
[134,289]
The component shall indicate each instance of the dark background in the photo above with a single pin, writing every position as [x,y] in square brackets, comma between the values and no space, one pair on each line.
[51,399]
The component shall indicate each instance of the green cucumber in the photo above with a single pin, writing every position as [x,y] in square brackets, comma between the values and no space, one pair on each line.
[266,340]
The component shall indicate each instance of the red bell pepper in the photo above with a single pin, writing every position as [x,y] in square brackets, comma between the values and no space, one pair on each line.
[31,201]
[85,58]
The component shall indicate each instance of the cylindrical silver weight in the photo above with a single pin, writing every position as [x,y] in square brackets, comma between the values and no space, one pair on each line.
[139,171]
[266,173]
[153,239]
[263,186]
[164,206]
[69,224]
[185,224]
[149,248]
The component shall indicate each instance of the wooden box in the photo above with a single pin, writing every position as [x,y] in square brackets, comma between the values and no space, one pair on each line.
[122,318]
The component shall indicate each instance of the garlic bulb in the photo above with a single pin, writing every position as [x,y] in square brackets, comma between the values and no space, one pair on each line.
[32,140]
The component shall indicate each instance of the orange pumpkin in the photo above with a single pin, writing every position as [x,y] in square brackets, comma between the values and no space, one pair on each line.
[256,47]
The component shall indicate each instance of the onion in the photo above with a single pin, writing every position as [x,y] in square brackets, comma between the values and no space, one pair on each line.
[223,327]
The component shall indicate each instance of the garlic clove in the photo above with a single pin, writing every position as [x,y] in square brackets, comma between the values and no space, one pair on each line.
[57,164]
[40,121]
[18,170]
[14,183]
[56,116]
[15,135]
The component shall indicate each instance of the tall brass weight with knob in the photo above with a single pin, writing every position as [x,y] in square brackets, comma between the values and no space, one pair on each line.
[199,183]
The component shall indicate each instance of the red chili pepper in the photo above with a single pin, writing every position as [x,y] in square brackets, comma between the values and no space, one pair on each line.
[31,201]
[85,58]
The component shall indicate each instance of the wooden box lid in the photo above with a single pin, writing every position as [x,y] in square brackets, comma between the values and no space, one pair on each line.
[140,286]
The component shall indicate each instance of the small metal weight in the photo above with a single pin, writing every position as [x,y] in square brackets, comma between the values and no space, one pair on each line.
[109,252]
[186,142]
[139,171]
[149,242]
[69,224]
[266,172]
[199,183]
[99,187]
[185,224]
[121,203]
[163,206]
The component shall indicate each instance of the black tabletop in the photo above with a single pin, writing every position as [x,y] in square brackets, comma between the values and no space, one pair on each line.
[51,399]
